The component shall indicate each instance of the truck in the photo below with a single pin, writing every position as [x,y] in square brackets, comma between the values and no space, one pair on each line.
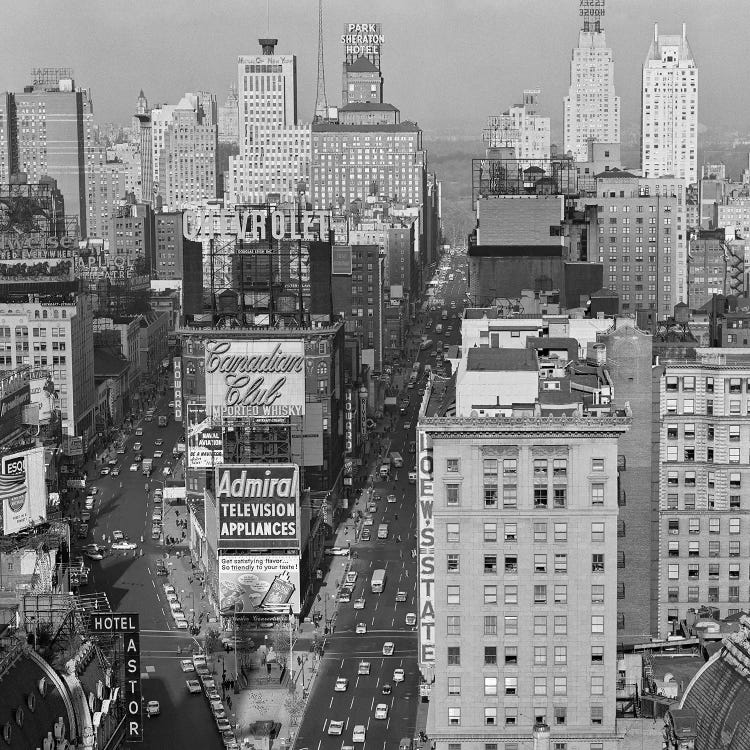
[162,421]
[397,460]
[147,467]
[377,583]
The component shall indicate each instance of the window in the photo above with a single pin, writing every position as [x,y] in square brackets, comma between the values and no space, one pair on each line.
[734,433]
[713,593]
[688,383]
[454,594]
[454,686]
[734,525]
[511,654]
[510,721]
[452,494]
[540,563]
[597,532]
[597,464]
[540,686]
[672,453]
[511,685]
[597,685]
[560,719]
[561,563]
[540,625]
[694,549]
[490,655]
[597,712]
[540,656]
[453,465]
[597,654]
[672,383]
[561,686]
[490,563]
[693,592]
[510,532]
[734,548]
[453,532]
[673,571]
[490,714]
[561,625]
[452,563]
[673,594]
[511,564]
[561,655]
[597,593]
[694,571]
[597,624]
[490,685]
[597,563]
[490,532]
[510,595]
[511,625]
[673,525]
[540,594]
[540,469]
[561,594]
[454,625]
[714,525]
[673,549]
[540,532]
[510,495]
[694,526]
[454,656]
[734,455]
[454,717]
[561,532]
[490,594]
[540,497]
[709,385]
[560,496]
[734,571]
[597,494]
[734,480]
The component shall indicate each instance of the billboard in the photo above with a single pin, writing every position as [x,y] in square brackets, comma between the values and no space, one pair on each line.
[15,394]
[255,378]
[37,271]
[23,491]
[258,505]
[204,442]
[259,584]
[425,498]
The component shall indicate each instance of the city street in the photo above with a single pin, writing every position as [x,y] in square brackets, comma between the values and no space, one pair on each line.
[384,617]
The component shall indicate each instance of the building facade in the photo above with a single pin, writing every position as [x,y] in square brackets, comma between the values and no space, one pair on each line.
[703,508]
[229,118]
[274,158]
[522,129]
[591,111]
[669,116]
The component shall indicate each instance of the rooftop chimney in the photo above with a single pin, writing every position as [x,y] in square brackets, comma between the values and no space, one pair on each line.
[684,31]
[268,45]
[656,32]
[541,737]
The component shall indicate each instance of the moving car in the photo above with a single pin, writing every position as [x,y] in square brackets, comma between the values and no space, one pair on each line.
[158,454]
[137,446]
[115,472]
[364,667]
[411,619]
[401,596]
[391,498]
[336,551]
[335,728]
[381,711]
[398,675]
[133,467]
[117,535]
[159,441]
[359,603]
[365,535]
[387,689]
[152,709]
[124,545]
[97,554]
[89,504]
[193,686]
[388,648]
[361,628]
[358,735]
[138,432]
[104,472]
[341,685]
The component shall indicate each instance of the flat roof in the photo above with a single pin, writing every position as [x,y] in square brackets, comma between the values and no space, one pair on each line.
[498,360]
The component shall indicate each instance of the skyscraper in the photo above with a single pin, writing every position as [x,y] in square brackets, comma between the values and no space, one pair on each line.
[274,148]
[591,108]
[669,109]
[228,117]
[521,128]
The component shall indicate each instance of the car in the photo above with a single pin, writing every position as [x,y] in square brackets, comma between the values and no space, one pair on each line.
[175,606]
[411,619]
[171,404]
[364,667]
[115,472]
[117,535]
[365,535]
[213,694]
[169,589]
[377,497]
[137,446]
[407,425]
[223,725]
[388,648]
[171,597]
[358,735]
[368,521]
[199,660]
[336,551]
[359,603]
[152,709]
[398,675]
[208,683]
[104,472]
[361,628]
[159,441]
[138,457]
[89,504]
[161,569]
[92,548]
[156,516]
[95,555]
[123,545]
[148,418]
[158,454]
[133,467]
[391,498]
[386,689]
[412,447]
[401,596]
[351,577]
[341,685]
[120,449]
[345,595]
[138,433]
[372,507]
[93,491]
[85,516]
[412,477]
[218,710]
[181,624]
[112,462]
[156,532]
[202,671]
[335,728]
[158,499]
[186,665]
[193,686]
[410,386]
[229,740]
[166,471]
[381,711]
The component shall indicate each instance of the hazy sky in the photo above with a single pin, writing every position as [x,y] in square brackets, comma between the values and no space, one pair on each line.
[446,63]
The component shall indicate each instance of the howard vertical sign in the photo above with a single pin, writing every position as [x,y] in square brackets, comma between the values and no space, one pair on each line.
[425,498]
[129,626]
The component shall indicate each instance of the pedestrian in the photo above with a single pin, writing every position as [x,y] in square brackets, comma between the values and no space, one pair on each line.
[229,702]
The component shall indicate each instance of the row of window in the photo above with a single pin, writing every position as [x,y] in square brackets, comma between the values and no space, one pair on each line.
[558,685]
[688,407]
[511,720]
[733,432]
[687,383]
[453,564]
[694,548]
[514,745]
[688,479]
[694,525]
[509,466]
[693,594]
[540,530]
[713,571]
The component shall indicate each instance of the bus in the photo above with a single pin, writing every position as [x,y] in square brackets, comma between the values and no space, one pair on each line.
[377,584]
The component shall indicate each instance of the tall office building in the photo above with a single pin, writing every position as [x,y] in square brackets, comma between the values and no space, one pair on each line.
[591,108]
[188,156]
[522,129]
[669,109]
[274,156]
[229,118]
[518,529]
[48,130]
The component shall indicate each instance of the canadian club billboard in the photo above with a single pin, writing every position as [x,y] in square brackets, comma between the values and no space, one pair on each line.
[258,506]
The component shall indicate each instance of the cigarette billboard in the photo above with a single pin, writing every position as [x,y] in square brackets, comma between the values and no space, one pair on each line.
[23,491]
[255,379]
[259,584]
[258,505]
[204,442]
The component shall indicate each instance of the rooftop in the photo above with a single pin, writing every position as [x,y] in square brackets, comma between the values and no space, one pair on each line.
[362,65]
[402,127]
[501,360]
[365,106]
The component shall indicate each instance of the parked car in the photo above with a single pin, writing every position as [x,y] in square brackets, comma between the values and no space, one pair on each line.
[193,686]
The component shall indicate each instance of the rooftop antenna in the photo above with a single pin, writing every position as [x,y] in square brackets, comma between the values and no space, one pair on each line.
[268,17]
[321,100]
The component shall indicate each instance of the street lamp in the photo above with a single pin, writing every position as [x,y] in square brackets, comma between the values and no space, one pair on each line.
[291,646]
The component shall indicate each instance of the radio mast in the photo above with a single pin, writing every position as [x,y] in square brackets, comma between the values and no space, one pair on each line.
[321,101]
